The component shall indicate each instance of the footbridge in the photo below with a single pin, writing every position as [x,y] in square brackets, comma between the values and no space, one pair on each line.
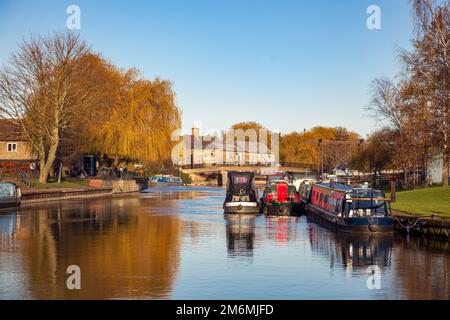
[204,173]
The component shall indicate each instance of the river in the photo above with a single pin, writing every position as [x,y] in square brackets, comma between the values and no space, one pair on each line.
[176,243]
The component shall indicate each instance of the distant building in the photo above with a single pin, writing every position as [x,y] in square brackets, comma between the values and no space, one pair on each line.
[207,150]
[435,168]
[15,150]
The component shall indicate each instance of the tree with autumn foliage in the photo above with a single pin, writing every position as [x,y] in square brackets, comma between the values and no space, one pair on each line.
[417,106]
[68,100]
[337,146]
[42,91]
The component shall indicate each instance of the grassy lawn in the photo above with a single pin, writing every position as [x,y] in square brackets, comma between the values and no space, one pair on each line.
[65,184]
[435,200]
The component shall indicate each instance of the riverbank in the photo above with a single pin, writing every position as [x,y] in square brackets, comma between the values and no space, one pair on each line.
[423,212]
[423,202]
[81,188]
[44,195]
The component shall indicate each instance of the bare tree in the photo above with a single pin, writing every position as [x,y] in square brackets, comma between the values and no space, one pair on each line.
[418,105]
[41,90]
[428,69]
[386,102]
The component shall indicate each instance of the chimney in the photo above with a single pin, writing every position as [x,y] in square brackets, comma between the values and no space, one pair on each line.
[195,132]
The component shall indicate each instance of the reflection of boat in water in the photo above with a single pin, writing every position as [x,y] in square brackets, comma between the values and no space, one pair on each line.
[350,209]
[9,196]
[166,180]
[8,225]
[281,228]
[241,193]
[352,250]
[240,234]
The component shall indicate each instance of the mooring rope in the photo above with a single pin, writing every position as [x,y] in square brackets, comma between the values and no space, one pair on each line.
[408,226]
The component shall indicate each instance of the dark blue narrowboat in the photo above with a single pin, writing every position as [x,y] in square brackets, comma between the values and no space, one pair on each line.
[350,209]
[241,193]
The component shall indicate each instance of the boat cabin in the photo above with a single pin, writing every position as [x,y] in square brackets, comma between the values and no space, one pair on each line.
[9,196]
[241,186]
[241,193]
[346,201]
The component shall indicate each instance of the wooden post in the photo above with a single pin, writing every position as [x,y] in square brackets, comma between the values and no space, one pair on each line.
[393,196]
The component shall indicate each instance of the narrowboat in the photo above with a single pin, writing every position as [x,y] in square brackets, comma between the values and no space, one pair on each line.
[279,198]
[350,209]
[10,195]
[165,181]
[304,190]
[241,193]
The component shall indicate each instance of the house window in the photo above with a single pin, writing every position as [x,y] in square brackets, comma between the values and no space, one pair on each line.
[12,147]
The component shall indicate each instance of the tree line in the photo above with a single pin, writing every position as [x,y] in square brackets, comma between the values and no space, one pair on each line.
[414,105]
[68,100]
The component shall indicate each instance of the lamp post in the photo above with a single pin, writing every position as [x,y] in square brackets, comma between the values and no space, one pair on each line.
[319,145]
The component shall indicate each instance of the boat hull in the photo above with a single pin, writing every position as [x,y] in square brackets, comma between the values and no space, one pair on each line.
[280,209]
[165,184]
[9,204]
[241,207]
[373,225]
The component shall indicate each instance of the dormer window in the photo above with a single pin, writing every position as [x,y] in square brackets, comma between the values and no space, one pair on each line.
[12,147]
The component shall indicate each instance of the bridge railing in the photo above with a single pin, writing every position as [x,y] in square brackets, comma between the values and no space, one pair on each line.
[257,165]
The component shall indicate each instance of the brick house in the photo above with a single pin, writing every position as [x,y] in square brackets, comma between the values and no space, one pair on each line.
[15,151]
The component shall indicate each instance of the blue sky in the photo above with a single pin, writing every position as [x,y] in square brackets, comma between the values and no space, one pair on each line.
[289,65]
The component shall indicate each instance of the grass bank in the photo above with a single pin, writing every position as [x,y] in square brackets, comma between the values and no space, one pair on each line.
[65,184]
[427,201]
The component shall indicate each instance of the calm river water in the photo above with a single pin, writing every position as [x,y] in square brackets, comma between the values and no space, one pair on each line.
[176,243]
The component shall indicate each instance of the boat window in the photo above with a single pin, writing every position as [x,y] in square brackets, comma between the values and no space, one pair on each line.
[7,191]
[241,180]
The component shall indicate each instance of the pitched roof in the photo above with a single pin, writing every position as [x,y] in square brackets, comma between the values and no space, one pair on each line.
[9,131]
[210,143]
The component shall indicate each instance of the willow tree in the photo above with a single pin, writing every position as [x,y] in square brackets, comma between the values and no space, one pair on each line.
[139,123]
[41,91]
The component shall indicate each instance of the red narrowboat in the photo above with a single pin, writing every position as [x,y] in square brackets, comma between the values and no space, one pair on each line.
[280,197]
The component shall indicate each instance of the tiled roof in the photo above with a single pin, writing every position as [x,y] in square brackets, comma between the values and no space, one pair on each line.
[9,131]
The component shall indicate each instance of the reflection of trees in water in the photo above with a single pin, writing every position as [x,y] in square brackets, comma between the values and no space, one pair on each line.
[352,251]
[282,229]
[121,251]
[240,234]
[422,268]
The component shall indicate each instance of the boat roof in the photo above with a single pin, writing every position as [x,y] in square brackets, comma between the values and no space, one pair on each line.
[240,173]
[7,184]
[335,186]
[344,187]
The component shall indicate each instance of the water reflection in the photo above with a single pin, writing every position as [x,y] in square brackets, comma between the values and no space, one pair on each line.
[240,234]
[9,225]
[176,243]
[282,229]
[422,269]
[121,253]
[352,251]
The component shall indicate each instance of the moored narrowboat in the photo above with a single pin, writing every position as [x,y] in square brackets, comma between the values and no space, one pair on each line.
[350,209]
[165,181]
[304,191]
[241,193]
[10,195]
[279,198]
